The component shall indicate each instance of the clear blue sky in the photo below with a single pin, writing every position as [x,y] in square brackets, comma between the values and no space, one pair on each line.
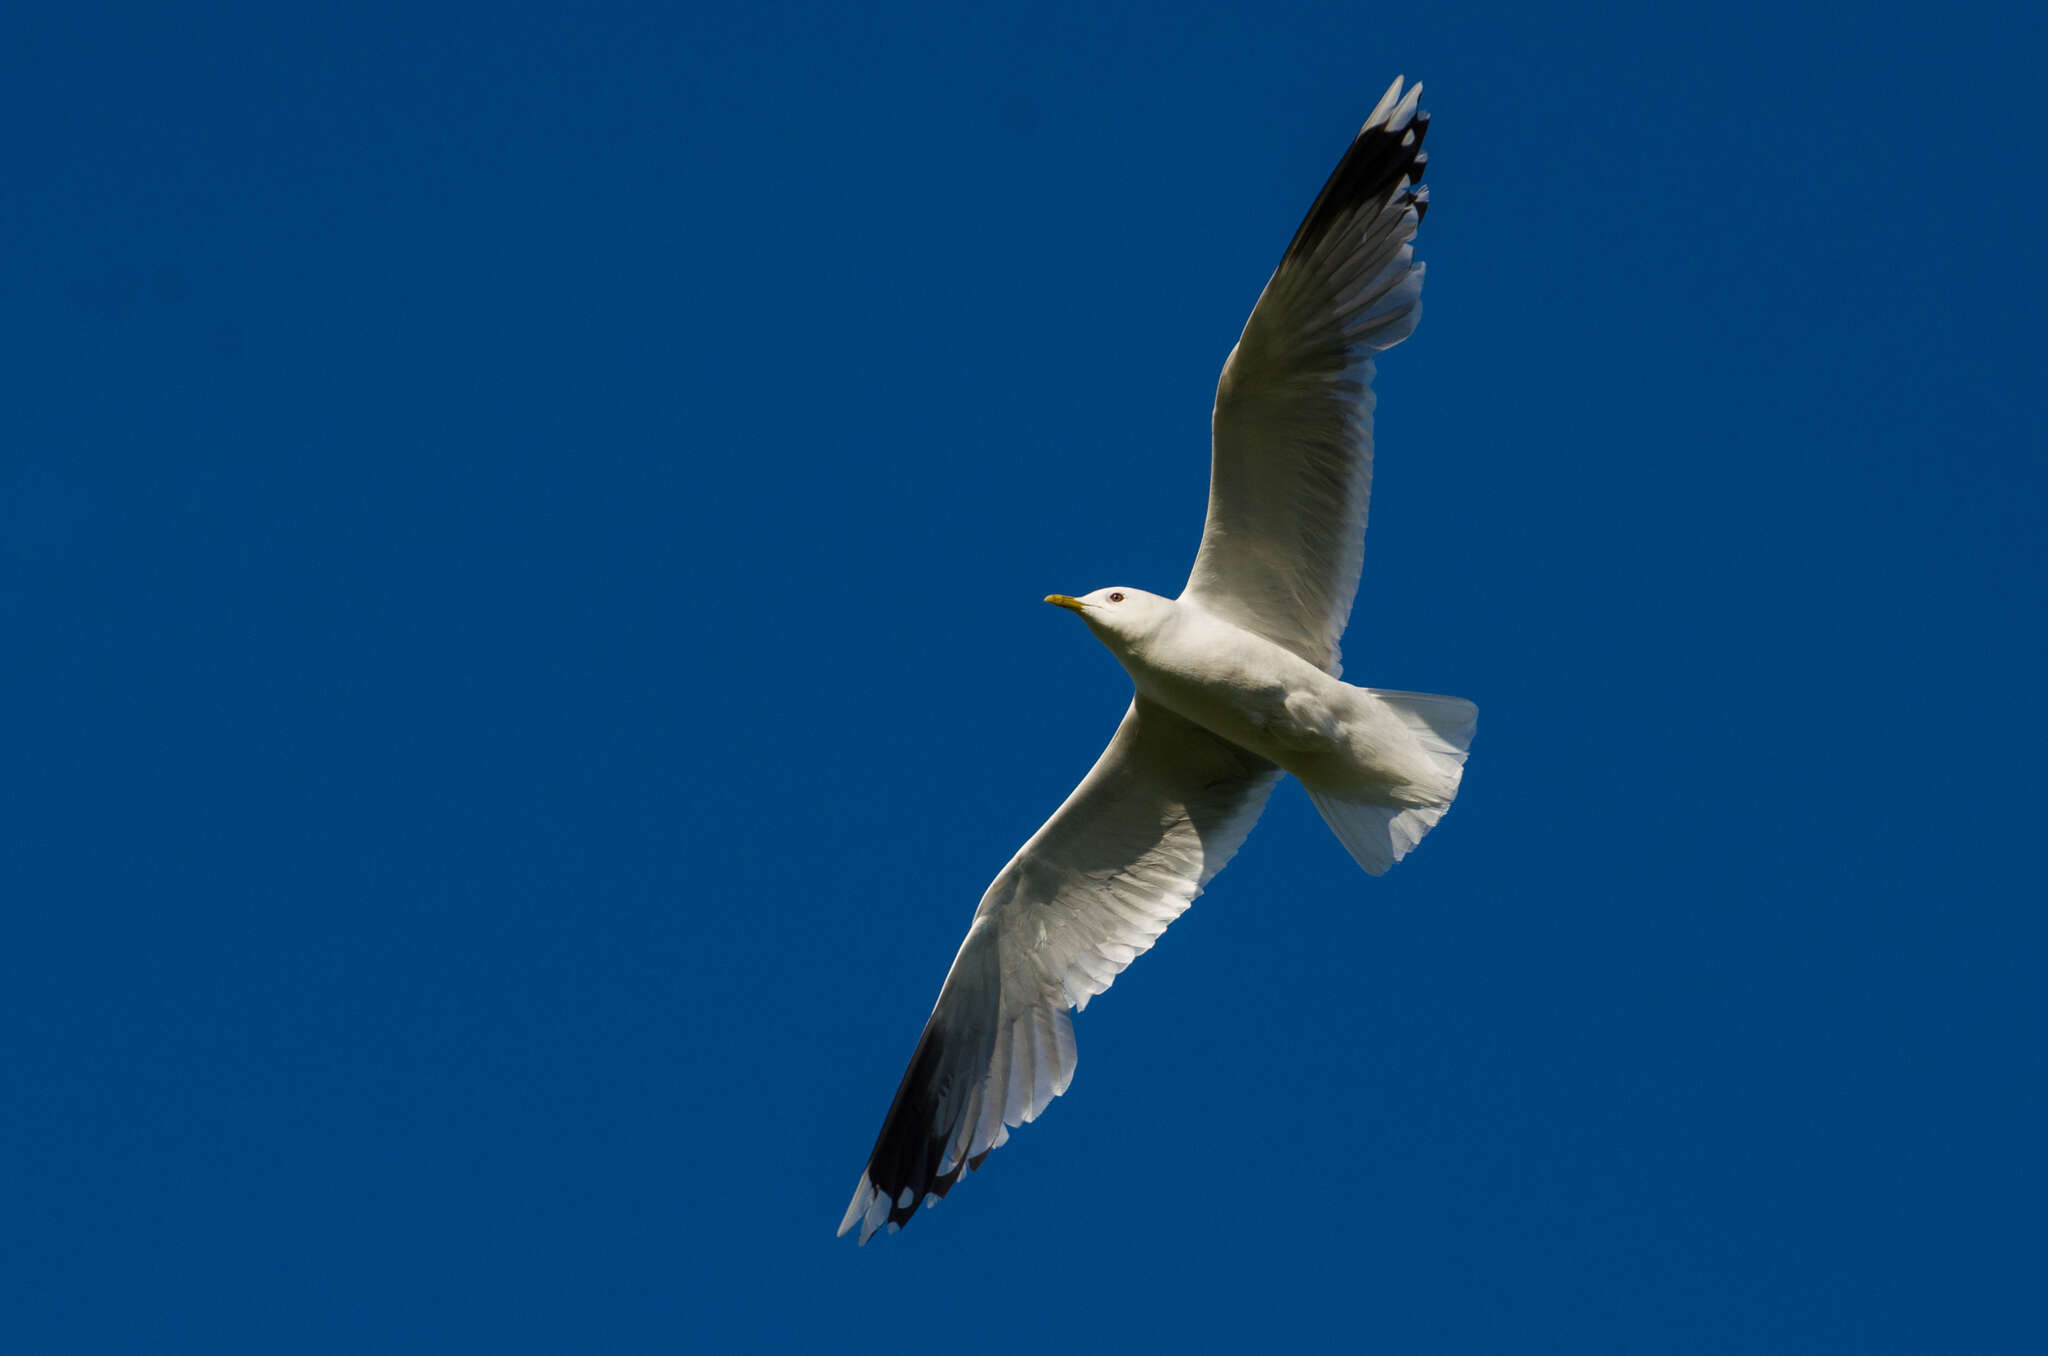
[521,538]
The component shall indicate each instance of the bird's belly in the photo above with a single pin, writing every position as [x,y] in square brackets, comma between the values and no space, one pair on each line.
[1271,721]
[1276,704]
[1331,735]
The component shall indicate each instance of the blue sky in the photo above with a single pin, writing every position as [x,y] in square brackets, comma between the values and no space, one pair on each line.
[521,538]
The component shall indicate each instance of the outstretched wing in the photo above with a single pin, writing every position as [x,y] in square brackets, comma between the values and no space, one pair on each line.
[1160,813]
[1291,469]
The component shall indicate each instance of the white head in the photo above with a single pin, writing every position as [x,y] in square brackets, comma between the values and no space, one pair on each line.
[1118,616]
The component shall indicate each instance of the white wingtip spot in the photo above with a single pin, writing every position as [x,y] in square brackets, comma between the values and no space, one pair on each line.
[1380,109]
[877,1211]
[862,1196]
[1404,112]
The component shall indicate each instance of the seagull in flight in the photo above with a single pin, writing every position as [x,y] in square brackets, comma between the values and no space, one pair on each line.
[1236,684]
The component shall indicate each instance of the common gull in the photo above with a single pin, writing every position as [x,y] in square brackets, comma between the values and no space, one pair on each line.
[1236,685]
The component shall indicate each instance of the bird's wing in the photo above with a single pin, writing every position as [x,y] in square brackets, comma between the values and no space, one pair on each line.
[1164,807]
[1292,463]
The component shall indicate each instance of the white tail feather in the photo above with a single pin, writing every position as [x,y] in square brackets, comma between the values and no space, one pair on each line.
[1444,724]
[1379,835]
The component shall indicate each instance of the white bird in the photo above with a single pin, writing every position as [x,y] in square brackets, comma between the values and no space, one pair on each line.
[1236,683]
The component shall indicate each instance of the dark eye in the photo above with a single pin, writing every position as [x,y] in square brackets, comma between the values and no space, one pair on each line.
[1116,597]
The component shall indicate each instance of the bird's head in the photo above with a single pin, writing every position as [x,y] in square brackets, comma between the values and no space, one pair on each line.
[1118,615]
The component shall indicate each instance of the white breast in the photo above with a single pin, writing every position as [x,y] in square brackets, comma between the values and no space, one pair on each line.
[1241,686]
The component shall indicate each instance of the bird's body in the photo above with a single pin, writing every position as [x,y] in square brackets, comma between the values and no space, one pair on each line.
[1338,740]
[1236,683]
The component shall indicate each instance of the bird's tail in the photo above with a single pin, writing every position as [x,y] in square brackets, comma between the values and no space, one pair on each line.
[1378,835]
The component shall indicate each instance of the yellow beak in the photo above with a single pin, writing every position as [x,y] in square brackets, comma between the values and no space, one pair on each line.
[1062,600]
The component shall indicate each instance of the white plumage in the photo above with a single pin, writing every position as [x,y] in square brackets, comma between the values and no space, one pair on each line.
[1236,683]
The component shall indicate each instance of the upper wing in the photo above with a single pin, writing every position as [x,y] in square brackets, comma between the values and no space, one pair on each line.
[1162,810]
[1292,465]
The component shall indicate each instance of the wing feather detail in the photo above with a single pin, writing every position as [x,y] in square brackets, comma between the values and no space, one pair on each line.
[1163,809]
[1291,469]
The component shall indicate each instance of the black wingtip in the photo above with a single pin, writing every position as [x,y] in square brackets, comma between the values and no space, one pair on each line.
[1379,158]
[907,1153]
